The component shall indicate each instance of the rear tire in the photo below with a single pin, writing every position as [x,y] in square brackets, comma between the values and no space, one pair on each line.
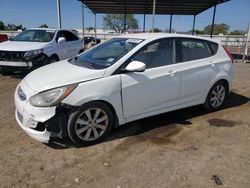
[90,124]
[216,96]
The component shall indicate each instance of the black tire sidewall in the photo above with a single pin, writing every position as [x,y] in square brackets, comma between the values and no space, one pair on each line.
[53,57]
[74,116]
[208,101]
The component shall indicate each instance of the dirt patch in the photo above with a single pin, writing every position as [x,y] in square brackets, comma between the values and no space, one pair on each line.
[168,150]
[158,136]
[216,122]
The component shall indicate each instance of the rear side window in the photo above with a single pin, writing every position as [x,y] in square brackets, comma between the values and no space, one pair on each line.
[214,47]
[191,49]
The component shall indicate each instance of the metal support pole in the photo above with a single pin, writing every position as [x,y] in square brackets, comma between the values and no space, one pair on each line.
[83,27]
[245,55]
[153,17]
[212,28]
[95,29]
[170,24]
[193,24]
[58,14]
[144,19]
[125,21]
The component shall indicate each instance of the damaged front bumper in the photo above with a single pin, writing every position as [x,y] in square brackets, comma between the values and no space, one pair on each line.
[25,63]
[42,123]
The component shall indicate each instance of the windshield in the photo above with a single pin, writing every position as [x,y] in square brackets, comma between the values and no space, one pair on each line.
[106,54]
[35,36]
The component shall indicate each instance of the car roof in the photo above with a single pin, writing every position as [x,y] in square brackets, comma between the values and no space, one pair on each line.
[52,29]
[148,36]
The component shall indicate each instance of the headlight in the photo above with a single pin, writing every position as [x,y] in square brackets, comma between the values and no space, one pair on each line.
[33,53]
[51,97]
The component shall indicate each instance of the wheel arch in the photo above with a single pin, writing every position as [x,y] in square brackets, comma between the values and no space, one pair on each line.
[55,55]
[112,109]
[117,114]
[219,79]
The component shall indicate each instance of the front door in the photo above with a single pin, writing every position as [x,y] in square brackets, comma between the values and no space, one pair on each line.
[155,89]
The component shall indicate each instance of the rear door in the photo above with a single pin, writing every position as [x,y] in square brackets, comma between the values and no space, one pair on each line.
[155,89]
[197,68]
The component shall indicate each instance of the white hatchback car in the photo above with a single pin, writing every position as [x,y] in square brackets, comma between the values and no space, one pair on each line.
[34,48]
[121,80]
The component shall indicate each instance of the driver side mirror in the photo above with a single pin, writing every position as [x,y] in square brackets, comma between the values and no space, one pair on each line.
[61,40]
[135,66]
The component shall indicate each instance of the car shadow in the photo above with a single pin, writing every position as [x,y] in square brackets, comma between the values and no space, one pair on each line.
[17,75]
[181,117]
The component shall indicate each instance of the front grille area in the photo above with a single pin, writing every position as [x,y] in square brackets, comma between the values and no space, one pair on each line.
[11,56]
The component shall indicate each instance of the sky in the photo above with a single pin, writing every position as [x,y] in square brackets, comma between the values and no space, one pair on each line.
[33,13]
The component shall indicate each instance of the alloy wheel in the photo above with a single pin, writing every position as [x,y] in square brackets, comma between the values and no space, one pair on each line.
[91,124]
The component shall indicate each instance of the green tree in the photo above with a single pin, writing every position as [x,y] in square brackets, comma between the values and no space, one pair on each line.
[155,30]
[197,32]
[218,28]
[89,29]
[237,32]
[44,26]
[2,26]
[116,22]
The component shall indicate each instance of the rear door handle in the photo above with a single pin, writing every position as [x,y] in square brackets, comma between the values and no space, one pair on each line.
[171,72]
[211,63]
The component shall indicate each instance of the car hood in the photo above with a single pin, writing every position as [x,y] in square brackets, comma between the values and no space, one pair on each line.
[60,74]
[21,46]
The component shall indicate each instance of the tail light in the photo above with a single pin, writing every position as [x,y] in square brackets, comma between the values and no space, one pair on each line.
[229,54]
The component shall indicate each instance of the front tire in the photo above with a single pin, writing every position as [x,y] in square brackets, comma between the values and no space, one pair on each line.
[6,72]
[90,124]
[216,96]
[53,59]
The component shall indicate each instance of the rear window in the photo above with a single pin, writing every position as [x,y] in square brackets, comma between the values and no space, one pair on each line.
[191,49]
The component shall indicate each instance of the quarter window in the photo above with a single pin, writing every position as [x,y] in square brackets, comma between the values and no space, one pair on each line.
[70,36]
[191,49]
[214,47]
[67,35]
[156,54]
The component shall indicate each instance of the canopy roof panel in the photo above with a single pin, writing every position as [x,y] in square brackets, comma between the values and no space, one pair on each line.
[174,7]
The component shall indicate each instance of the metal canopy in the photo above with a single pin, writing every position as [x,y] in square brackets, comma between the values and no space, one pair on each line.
[171,7]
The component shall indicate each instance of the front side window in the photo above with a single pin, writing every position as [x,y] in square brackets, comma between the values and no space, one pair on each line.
[70,36]
[191,49]
[156,54]
[106,54]
[35,36]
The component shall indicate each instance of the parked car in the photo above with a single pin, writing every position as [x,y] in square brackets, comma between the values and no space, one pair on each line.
[34,48]
[121,80]
[89,39]
[3,37]
[90,42]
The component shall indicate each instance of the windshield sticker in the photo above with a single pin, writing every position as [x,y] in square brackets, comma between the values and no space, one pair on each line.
[50,31]
[137,41]
[110,59]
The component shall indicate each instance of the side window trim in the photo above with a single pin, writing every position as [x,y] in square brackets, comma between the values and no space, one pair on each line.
[205,42]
